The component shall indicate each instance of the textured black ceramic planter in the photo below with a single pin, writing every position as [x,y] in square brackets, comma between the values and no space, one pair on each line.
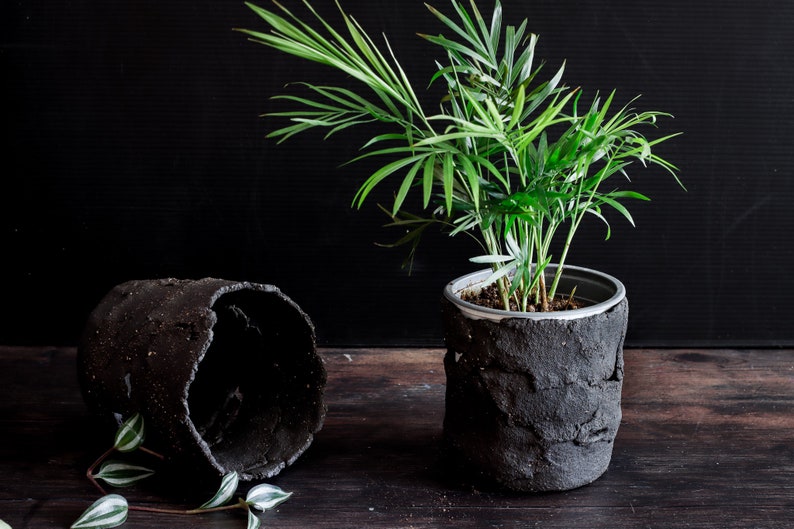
[225,373]
[533,401]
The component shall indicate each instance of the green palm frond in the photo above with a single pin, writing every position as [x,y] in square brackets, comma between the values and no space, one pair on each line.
[506,156]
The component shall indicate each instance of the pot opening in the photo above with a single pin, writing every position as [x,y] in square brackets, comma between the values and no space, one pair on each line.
[595,291]
[256,391]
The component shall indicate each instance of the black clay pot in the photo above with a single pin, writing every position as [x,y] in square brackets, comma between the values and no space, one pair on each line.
[533,400]
[225,374]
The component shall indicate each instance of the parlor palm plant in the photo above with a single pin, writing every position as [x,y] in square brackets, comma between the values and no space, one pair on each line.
[506,156]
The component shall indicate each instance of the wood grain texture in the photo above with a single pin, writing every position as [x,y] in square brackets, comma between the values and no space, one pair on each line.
[707,441]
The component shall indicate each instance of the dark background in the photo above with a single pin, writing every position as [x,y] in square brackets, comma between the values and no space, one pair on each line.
[134,149]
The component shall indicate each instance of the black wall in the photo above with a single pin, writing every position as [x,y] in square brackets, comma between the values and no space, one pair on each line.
[133,149]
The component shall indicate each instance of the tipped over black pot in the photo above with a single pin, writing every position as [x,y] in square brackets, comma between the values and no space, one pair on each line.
[225,373]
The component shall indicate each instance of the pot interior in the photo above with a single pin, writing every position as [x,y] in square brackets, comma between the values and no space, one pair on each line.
[257,392]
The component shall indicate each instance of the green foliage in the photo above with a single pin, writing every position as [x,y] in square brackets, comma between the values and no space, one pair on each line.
[130,435]
[108,511]
[253,521]
[508,157]
[225,492]
[265,497]
[121,474]
[111,510]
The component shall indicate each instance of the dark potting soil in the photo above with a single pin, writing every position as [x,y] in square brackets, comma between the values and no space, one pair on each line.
[489,297]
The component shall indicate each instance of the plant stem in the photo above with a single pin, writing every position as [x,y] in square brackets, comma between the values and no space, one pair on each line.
[239,505]
[492,246]
[544,299]
[90,471]
[561,261]
[152,453]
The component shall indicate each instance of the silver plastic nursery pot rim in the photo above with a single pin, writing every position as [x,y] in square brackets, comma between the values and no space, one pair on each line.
[598,290]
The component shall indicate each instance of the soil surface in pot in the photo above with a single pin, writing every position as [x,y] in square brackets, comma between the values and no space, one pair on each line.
[489,297]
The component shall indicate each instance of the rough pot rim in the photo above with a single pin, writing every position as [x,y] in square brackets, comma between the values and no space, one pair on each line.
[171,350]
[602,291]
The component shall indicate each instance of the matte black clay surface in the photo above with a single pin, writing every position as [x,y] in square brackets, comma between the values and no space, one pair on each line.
[533,405]
[225,373]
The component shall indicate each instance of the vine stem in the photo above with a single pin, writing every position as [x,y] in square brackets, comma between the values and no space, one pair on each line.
[239,505]
[90,472]
[152,453]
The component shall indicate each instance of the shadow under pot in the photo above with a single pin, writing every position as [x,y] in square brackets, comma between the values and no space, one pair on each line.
[225,374]
[533,399]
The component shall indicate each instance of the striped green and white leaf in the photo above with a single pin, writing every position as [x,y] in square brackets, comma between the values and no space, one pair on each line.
[225,492]
[108,511]
[130,434]
[121,474]
[264,497]
[253,521]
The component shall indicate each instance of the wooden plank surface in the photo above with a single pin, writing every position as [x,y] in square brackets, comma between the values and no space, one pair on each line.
[707,441]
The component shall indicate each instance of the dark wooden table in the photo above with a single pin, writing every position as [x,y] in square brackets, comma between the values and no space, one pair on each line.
[707,441]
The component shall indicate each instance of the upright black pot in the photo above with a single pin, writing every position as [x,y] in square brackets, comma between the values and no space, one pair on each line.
[533,399]
[225,373]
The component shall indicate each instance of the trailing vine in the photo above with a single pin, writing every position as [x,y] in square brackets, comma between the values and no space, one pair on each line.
[111,510]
